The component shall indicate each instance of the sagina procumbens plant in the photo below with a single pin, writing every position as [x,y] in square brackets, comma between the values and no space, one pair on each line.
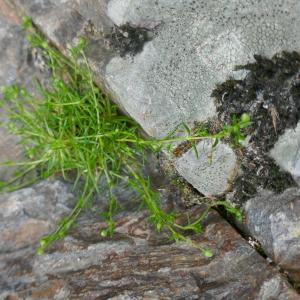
[75,128]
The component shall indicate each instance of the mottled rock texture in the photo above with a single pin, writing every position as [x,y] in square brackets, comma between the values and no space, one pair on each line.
[270,94]
[11,62]
[137,263]
[26,216]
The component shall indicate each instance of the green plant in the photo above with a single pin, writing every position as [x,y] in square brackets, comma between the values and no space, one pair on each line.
[76,128]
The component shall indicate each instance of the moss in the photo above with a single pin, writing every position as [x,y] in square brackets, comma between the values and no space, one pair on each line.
[270,94]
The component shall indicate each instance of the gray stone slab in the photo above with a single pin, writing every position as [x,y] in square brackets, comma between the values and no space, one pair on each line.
[211,173]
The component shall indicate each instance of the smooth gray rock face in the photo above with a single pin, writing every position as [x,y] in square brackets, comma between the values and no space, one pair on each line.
[275,221]
[210,174]
[286,151]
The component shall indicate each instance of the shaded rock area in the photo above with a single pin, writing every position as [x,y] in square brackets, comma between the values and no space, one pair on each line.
[185,48]
[129,40]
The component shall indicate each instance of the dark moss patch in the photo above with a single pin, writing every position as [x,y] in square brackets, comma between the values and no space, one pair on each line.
[270,94]
[127,39]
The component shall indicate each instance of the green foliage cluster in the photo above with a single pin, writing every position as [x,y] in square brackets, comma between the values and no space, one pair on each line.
[76,128]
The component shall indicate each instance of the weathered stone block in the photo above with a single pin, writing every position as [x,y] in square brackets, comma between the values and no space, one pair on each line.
[212,171]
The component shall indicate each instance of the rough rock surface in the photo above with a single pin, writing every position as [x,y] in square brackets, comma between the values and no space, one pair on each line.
[26,216]
[274,220]
[197,45]
[136,264]
[270,95]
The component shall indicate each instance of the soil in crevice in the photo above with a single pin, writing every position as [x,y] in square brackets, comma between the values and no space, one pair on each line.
[270,94]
